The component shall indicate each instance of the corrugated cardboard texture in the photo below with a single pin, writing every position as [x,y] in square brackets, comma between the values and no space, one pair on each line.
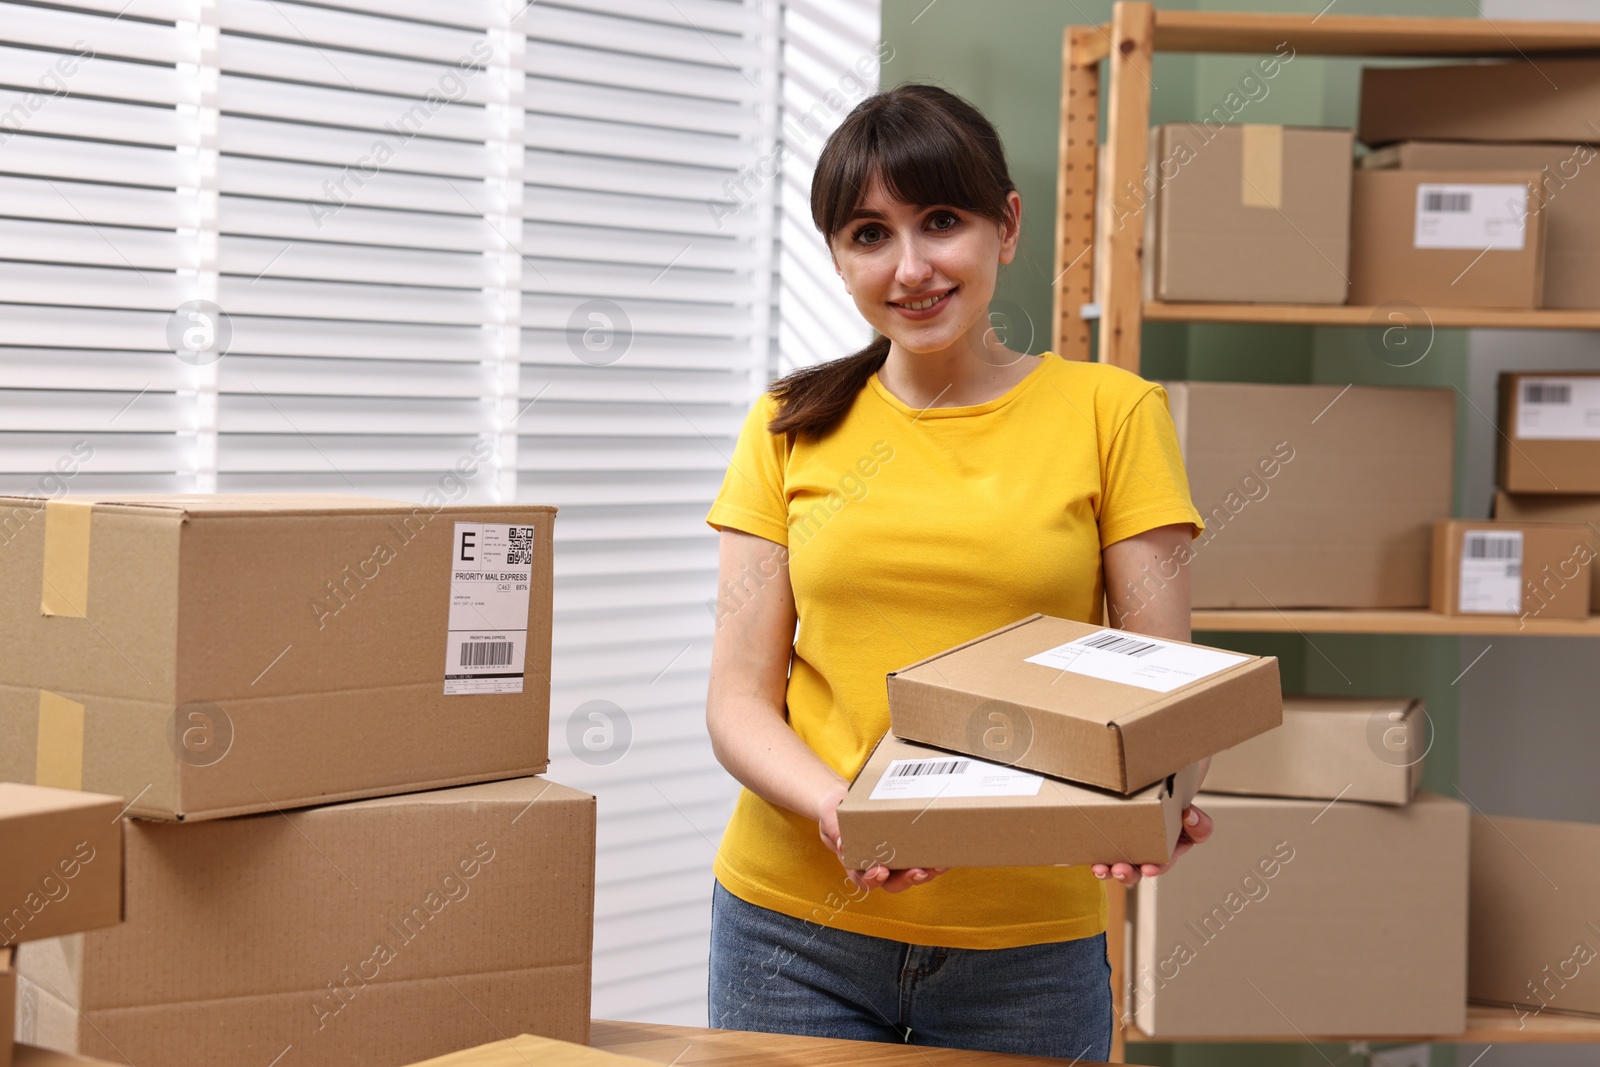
[1386,265]
[1555,566]
[1513,100]
[1582,510]
[525,1050]
[307,633]
[1083,729]
[1314,496]
[60,862]
[1352,748]
[371,933]
[1299,918]
[1569,193]
[1063,824]
[1535,933]
[1542,465]
[1250,213]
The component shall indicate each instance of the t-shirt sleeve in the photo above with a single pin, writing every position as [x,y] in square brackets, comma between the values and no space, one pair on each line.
[1145,483]
[752,495]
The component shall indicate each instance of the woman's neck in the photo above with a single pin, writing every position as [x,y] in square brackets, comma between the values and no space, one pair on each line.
[973,372]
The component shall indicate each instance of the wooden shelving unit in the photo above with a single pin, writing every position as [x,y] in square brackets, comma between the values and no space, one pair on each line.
[1124,47]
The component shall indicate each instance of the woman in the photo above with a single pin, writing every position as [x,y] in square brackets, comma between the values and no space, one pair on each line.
[932,487]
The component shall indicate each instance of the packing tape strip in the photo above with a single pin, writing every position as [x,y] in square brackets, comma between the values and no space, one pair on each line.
[58,758]
[65,589]
[1261,166]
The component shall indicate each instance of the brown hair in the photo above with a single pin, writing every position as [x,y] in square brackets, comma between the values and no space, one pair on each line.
[927,146]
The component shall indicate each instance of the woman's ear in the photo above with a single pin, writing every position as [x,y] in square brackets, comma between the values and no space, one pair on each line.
[1011,229]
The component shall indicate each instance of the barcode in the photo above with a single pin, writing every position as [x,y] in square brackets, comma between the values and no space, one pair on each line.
[486,653]
[1126,645]
[1492,546]
[1453,202]
[921,768]
[1546,393]
[521,548]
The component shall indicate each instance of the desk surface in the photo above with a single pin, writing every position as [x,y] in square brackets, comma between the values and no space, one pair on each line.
[688,1046]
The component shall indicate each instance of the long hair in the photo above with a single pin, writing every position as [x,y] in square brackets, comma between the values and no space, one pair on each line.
[926,146]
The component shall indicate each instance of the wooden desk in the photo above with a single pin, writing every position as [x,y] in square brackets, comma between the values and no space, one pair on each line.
[689,1046]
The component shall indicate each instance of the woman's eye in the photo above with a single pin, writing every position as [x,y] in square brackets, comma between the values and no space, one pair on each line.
[943,220]
[869,235]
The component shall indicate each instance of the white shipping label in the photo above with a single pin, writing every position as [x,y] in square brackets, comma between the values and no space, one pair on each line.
[1491,572]
[1558,409]
[1134,659]
[953,776]
[1478,217]
[491,575]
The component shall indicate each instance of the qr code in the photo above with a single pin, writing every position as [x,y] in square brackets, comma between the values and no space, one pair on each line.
[521,550]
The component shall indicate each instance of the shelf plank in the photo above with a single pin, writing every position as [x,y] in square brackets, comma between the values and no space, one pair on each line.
[1486,1024]
[1358,315]
[1362,35]
[1332,621]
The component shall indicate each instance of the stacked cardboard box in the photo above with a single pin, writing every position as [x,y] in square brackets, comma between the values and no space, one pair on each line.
[302,691]
[1271,928]
[1050,742]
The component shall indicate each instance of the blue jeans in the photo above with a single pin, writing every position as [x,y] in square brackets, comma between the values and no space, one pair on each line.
[777,974]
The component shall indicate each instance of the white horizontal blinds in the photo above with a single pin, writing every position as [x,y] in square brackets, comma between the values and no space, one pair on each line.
[646,331]
[360,263]
[832,57]
[96,244]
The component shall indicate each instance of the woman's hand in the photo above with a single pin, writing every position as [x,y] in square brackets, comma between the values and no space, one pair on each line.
[879,877]
[1197,827]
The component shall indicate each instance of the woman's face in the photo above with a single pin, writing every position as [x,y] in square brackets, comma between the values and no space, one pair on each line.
[923,276]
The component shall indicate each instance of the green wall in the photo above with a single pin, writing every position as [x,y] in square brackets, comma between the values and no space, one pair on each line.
[1005,56]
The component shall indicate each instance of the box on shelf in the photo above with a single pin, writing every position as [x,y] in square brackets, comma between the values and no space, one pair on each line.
[1550,432]
[1304,503]
[1276,927]
[1568,192]
[1101,707]
[214,655]
[1248,213]
[524,1050]
[915,806]
[62,869]
[1511,100]
[1349,748]
[372,932]
[1532,944]
[1446,238]
[1536,570]
[1581,510]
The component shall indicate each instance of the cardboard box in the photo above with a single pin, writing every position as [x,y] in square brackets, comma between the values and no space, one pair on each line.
[1530,569]
[248,653]
[1096,706]
[373,932]
[1300,917]
[1568,193]
[8,1002]
[915,806]
[1579,510]
[1550,432]
[1512,100]
[62,869]
[1446,238]
[1348,748]
[1531,943]
[525,1050]
[1305,503]
[1248,214]
[29,1056]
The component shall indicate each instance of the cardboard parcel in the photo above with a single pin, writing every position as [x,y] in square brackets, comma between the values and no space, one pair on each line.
[363,934]
[60,862]
[1581,510]
[915,806]
[1096,706]
[1550,432]
[206,656]
[1555,100]
[1534,570]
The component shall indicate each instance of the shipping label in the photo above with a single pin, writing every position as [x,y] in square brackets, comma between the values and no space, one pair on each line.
[1491,572]
[1558,409]
[952,776]
[491,576]
[1134,659]
[1475,216]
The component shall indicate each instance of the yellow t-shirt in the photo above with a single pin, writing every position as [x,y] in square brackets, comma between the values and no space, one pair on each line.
[911,531]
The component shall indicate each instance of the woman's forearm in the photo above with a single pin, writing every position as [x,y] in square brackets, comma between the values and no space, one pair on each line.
[759,748]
